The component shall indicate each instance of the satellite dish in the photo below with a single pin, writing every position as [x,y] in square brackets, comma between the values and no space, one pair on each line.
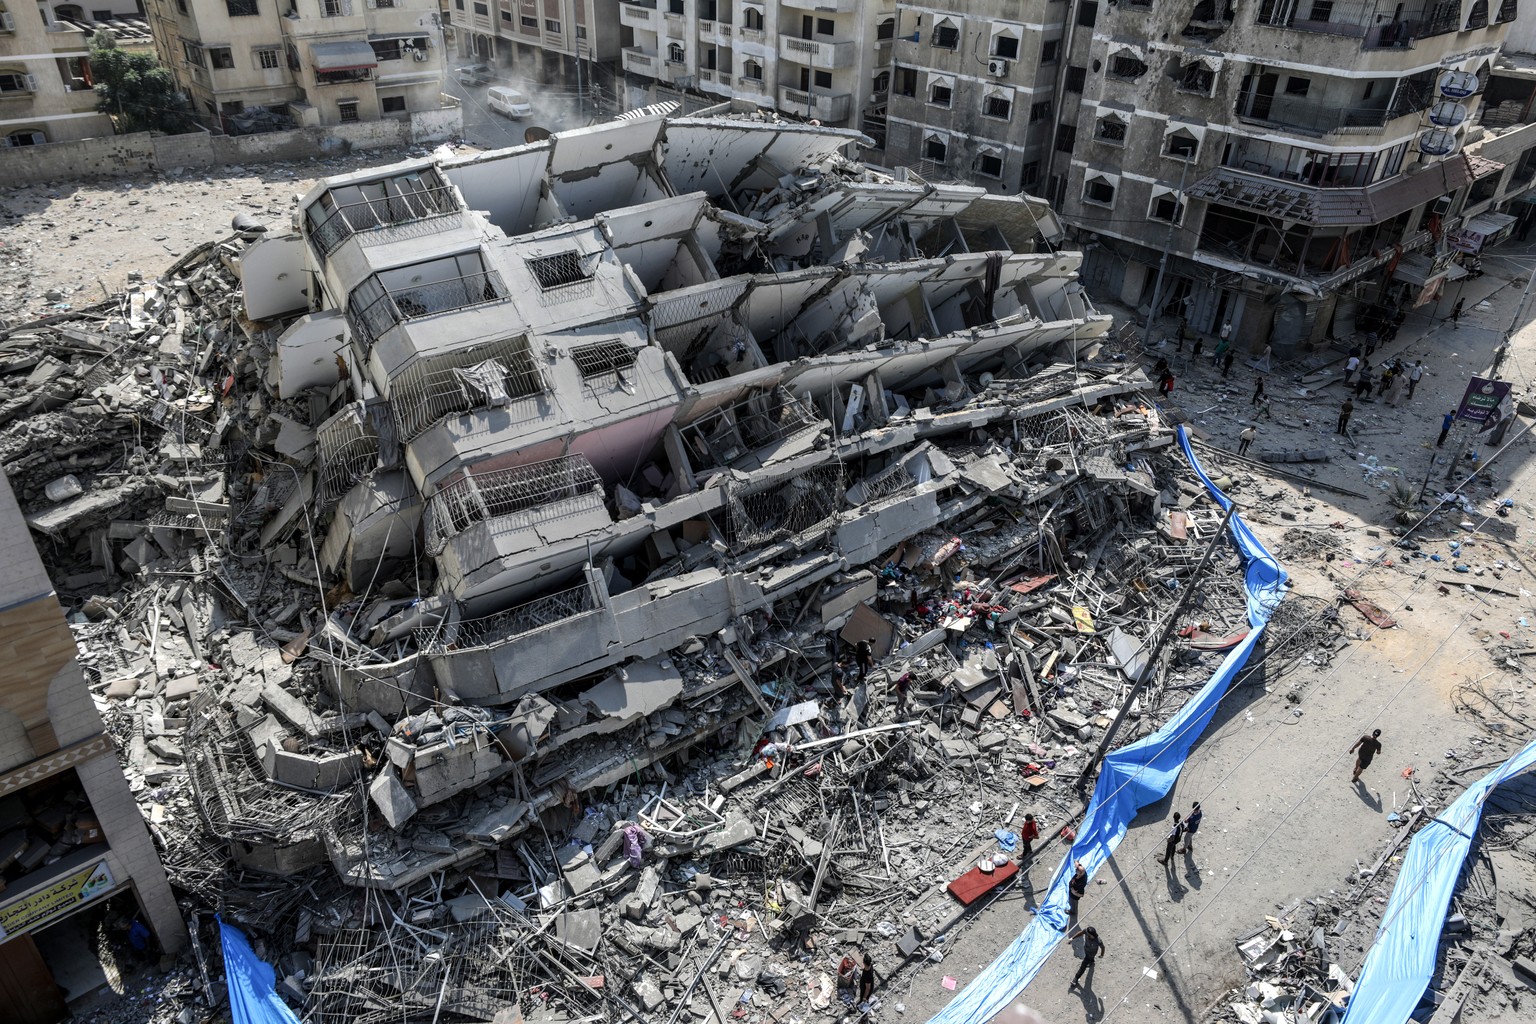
[533,133]
[1447,114]
[1437,142]
[1458,84]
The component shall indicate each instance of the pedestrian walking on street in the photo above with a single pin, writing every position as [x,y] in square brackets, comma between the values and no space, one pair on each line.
[1245,439]
[1445,428]
[1226,363]
[1414,376]
[1172,842]
[1194,353]
[1027,836]
[1258,391]
[1191,826]
[1076,890]
[1351,368]
[1221,350]
[1345,412]
[1368,747]
[1264,357]
[1385,381]
[1398,389]
[1093,946]
[1363,385]
[1165,384]
[1265,412]
[1456,314]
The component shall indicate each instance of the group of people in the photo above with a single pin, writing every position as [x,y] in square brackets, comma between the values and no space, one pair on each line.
[851,974]
[1396,380]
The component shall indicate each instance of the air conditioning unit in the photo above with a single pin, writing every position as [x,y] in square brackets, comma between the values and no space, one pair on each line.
[997,67]
[7,23]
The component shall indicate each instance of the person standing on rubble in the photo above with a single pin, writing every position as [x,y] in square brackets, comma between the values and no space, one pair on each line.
[1368,747]
[867,980]
[1172,842]
[1246,438]
[902,688]
[1226,363]
[1191,826]
[1258,391]
[1028,833]
[840,672]
[1165,384]
[1415,375]
[1092,947]
[864,654]
[1345,412]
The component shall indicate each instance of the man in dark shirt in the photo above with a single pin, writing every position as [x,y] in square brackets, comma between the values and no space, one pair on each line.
[1092,947]
[1174,835]
[864,655]
[1368,747]
[1076,890]
[1191,826]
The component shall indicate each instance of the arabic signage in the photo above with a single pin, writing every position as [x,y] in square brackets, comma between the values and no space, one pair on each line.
[1487,403]
[54,901]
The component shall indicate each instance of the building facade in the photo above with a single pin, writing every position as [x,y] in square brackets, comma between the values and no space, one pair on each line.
[47,93]
[256,65]
[571,44]
[71,835]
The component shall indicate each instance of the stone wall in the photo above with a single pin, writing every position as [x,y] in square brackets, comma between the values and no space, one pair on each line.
[146,153]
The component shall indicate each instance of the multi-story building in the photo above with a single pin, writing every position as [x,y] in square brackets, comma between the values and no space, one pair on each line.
[71,836]
[47,93]
[1278,154]
[573,44]
[255,64]
[821,60]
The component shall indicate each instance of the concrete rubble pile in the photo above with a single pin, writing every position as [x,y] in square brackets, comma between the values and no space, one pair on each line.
[612,576]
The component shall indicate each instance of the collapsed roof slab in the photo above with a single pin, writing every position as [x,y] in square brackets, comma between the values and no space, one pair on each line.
[721,156]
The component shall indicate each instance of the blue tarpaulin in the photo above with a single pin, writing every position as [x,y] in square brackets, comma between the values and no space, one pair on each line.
[253,998]
[1401,962]
[1132,777]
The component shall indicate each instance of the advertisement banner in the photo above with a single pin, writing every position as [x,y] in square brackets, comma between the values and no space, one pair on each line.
[1486,403]
[38,909]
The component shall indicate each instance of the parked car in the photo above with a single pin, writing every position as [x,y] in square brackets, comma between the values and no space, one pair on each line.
[474,74]
[508,102]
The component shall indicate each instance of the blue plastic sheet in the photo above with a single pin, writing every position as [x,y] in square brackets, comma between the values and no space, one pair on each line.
[253,997]
[1132,777]
[1401,961]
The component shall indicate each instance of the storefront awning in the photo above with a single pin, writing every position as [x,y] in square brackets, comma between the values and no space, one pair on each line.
[353,56]
[1480,231]
[1420,271]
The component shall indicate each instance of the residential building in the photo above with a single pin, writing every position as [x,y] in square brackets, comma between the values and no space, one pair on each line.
[1270,159]
[71,835]
[47,93]
[822,60]
[570,44]
[255,65]
[1505,202]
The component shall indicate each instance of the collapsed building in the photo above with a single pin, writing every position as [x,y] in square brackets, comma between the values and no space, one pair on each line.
[500,531]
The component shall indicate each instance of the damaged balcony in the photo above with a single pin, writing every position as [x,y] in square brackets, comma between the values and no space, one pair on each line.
[755,432]
[1320,106]
[380,210]
[390,298]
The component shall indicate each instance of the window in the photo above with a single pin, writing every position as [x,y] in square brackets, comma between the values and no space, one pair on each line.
[752,70]
[193,53]
[676,54]
[1508,10]
[231,107]
[1478,17]
[906,81]
[483,10]
[1297,86]
[1066,137]
[1039,111]
[753,20]
[676,7]
[997,105]
[941,92]
[268,58]
[1050,51]
[236,9]
[989,164]
[551,26]
[1005,45]
[1322,10]
[335,8]
[528,21]
[181,5]
[1196,77]
[1166,207]
[1099,191]
[581,31]
[101,15]
[26,137]
[506,16]
[1126,65]
[886,29]
[1030,174]
[559,270]
[935,148]
[1181,145]
[221,58]
[1110,129]
[882,82]
[1087,14]
[1076,76]
[823,79]
[825,27]
[392,104]
[348,111]
[946,36]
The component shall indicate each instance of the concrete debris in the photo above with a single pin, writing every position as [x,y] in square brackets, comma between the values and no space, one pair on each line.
[591,599]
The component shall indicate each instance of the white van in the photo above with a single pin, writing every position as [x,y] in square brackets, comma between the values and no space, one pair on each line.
[508,102]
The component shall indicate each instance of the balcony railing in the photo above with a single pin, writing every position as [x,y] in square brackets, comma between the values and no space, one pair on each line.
[372,214]
[638,14]
[1376,23]
[537,492]
[816,52]
[1317,120]
[373,308]
[635,59]
[481,377]
[825,106]
[494,630]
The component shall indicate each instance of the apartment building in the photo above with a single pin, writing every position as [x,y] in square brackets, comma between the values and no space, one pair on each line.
[254,65]
[1278,153]
[821,60]
[71,836]
[571,43]
[47,93]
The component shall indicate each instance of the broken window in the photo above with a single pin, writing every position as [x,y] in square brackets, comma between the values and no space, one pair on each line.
[1039,111]
[989,164]
[1029,174]
[1166,207]
[1087,13]
[1099,190]
[432,388]
[559,270]
[1196,77]
[1181,144]
[886,29]
[752,70]
[193,53]
[602,357]
[941,92]
[946,36]
[1066,138]
[935,148]
[1005,44]
[1050,51]
[906,81]
[1127,65]
[26,137]
[392,104]
[1110,129]
[1477,17]
[753,20]
[1508,11]
[15,81]
[1297,86]
[221,58]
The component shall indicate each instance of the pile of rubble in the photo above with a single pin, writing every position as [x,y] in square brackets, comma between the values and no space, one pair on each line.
[915,633]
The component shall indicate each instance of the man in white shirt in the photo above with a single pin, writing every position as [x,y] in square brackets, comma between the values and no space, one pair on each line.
[1351,368]
[1414,375]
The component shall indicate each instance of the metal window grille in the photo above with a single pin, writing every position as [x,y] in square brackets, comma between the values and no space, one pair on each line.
[1478,16]
[805,504]
[348,450]
[1508,11]
[543,490]
[241,8]
[559,270]
[430,389]
[1111,130]
[494,630]
[1126,66]
[373,308]
[892,481]
[603,357]
[728,433]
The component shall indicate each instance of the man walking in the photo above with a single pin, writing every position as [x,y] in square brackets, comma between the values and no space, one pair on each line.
[1345,412]
[1456,315]
[1445,428]
[1245,439]
[1258,392]
[1351,368]
[1028,833]
[1191,826]
[1414,376]
[1092,947]
[1226,363]
[1368,747]
[1076,890]
[1172,843]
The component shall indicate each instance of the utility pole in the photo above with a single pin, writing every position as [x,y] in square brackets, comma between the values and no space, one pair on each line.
[1162,266]
[1172,622]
